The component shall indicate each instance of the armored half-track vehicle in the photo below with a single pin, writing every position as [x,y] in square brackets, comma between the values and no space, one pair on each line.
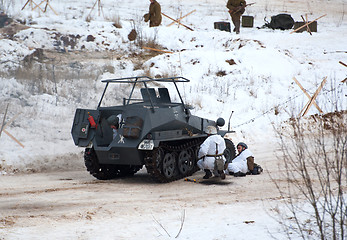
[153,131]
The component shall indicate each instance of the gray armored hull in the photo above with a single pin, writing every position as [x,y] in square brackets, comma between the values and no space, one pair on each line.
[153,131]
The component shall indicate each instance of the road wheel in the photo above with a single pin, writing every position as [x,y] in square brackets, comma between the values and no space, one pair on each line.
[186,162]
[169,165]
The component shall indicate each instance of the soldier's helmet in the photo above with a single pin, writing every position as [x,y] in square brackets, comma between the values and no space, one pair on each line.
[113,120]
[211,130]
[242,145]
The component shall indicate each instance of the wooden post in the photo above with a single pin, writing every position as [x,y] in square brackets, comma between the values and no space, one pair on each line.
[9,122]
[3,126]
[177,22]
[343,64]
[92,8]
[179,19]
[15,139]
[99,8]
[3,120]
[306,24]
[308,95]
[25,4]
[49,5]
[38,6]
[307,27]
[315,96]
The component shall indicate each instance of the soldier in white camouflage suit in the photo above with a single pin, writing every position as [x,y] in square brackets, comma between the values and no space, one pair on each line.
[211,153]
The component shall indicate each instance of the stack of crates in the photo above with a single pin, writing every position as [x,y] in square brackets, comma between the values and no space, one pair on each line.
[223,26]
[313,26]
[247,21]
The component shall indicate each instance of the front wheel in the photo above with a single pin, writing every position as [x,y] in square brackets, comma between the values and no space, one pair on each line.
[229,152]
[99,171]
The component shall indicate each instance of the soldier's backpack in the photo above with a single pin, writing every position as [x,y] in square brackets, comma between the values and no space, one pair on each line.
[132,127]
[219,161]
[257,169]
[281,21]
[132,35]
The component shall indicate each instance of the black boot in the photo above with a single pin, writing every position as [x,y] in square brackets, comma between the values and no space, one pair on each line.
[239,174]
[237,29]
[208,174]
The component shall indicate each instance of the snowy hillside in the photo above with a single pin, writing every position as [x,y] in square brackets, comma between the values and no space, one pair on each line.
[250,74]
[53,62]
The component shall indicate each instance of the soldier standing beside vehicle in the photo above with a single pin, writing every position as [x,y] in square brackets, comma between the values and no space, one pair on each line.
[154,15]
[211,153]
[236,9]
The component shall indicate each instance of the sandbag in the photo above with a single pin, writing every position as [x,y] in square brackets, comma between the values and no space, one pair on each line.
[132,127]
[257,169]
[281,21]
[132,35]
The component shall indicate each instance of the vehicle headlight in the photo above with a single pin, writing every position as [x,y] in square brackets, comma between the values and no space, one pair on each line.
[146,144]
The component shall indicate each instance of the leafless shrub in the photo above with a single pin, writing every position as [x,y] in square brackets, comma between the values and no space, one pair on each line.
[314,152]
[182,219]
[161,225]
[182,223]
[151,41]
[138,27]
[5,5]
[108,68]
[142,40]
[340,19]
[161,74]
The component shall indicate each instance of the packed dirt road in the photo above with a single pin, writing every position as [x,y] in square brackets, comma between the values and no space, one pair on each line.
[69,204]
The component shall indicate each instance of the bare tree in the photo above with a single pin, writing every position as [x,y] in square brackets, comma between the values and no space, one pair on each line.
[314,162]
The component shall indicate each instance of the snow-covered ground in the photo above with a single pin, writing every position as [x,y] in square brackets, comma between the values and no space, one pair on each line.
[259,87]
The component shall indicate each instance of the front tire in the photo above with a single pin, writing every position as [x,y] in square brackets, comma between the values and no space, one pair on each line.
[230,151]
[99,171]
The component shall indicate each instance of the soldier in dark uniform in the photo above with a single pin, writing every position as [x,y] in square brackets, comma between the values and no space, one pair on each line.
[154,15]
[236,9]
